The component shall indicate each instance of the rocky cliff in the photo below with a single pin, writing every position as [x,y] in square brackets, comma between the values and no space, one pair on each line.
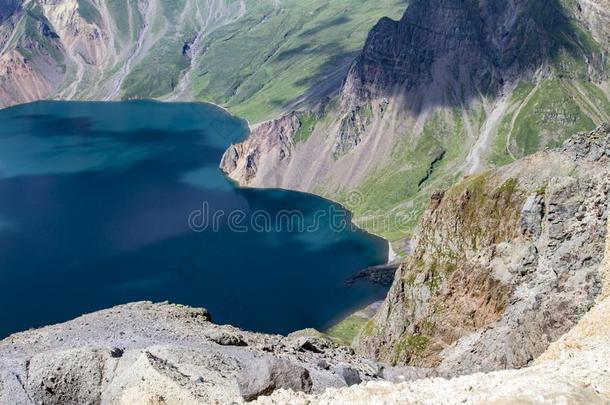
[574,369]
[453,87]
[505,262]
[274,139]
[458,50]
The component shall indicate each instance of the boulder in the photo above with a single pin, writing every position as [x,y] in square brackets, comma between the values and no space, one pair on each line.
[227,339]
[116,352]
[265,375]
[310,344]
[70,377]
[531,216]
[349,375]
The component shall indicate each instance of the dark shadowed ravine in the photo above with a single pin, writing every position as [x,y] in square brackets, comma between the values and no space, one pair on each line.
[97,206]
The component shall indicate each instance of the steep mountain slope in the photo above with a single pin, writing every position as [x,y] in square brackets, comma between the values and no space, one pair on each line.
[574,368]
[450,89]
[505,262]
[256,57]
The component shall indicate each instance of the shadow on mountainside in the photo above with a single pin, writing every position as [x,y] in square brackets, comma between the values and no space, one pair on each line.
[327,78]
[331,23]
[7,8]
[453,51]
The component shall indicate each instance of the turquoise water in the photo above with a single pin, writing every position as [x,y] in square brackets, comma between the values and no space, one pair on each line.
[108,203]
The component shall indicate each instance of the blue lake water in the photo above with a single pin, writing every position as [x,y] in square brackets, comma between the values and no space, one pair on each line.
[108,203]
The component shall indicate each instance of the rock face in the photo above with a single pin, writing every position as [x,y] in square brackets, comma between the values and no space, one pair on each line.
[505,263]
[409,53]
[71,377]
[458,49]
[168,354]
[20,81]
[574,368]
[273,139]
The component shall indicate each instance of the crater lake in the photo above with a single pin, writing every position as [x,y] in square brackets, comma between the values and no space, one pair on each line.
[108,203]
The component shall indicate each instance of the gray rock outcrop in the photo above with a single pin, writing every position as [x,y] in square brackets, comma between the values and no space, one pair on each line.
[166,354]
[455,50]
[269,142]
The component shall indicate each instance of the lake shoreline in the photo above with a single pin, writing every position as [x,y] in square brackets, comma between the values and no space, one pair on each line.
[368,274]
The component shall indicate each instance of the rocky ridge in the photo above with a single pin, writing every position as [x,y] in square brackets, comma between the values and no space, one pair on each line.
[86,49]
[573,370]
[274,138]
[255,57]
[558,340]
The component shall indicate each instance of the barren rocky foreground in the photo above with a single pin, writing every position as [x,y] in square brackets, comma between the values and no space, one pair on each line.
[145,353]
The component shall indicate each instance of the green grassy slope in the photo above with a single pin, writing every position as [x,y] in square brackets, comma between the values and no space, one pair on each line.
[273,55]
[33,42]
[394,195]
[260,63]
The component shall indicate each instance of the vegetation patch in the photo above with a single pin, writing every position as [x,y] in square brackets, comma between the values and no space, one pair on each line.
[307,123]
[508,187]
[394,196]
[89,12]
[260,64]
[346,330]
[158,74]
[38,29]
[410,346]
[550,117]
